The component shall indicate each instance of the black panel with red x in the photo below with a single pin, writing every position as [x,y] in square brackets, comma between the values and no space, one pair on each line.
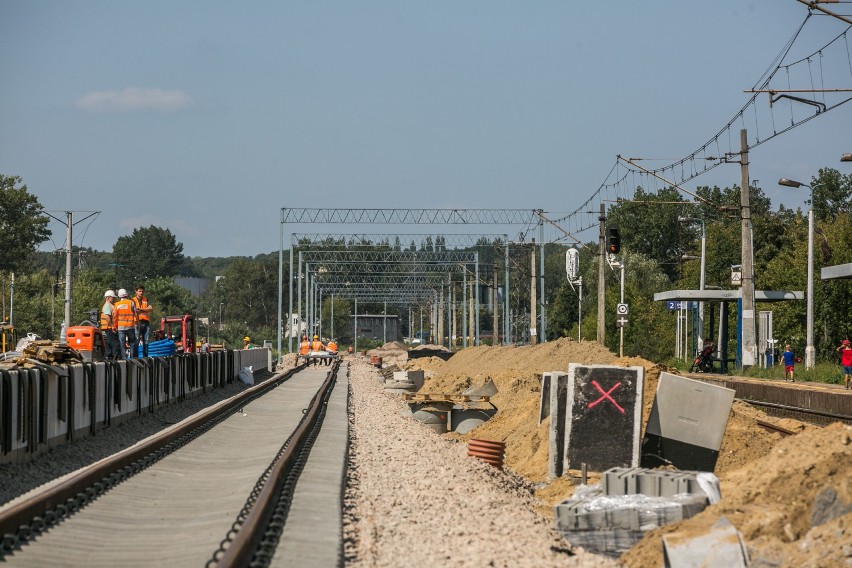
[603,421]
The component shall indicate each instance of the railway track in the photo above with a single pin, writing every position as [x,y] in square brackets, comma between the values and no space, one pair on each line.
[217,489]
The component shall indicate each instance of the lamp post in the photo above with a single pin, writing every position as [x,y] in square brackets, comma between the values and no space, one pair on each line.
[701,280]
[810,352]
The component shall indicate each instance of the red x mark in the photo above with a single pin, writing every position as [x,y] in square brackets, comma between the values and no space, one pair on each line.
[606,395]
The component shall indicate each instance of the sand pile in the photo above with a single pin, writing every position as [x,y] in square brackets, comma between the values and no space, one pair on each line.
[780,478]
[778,502]
[392,353]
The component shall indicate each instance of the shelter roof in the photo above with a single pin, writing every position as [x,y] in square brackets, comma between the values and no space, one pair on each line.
[726,295]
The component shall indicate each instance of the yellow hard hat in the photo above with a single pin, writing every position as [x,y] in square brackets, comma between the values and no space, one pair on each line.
[246,338]
[316,337]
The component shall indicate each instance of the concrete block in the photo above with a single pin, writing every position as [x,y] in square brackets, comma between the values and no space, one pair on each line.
[416,377]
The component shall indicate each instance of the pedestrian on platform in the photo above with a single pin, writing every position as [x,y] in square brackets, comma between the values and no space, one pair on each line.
[789,363]
[846,362]
[143,314]
[107,325]
[125,323]
[205,345]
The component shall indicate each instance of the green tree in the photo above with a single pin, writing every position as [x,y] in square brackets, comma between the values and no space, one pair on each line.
[249,291]
[149,252]
[23,224]
[649,225]
[832,194]
[342,317]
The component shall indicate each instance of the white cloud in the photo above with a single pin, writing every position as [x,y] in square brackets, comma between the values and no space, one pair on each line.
[176,226]
[134,99]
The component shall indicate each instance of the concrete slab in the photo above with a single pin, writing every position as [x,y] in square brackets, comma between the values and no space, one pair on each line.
[603,419]
[313,535]
[687,423]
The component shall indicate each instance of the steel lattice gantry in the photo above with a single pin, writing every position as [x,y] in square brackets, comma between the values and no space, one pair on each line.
[380,276]
[527,218]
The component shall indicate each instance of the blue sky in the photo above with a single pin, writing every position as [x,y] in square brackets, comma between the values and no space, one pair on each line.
[206,117]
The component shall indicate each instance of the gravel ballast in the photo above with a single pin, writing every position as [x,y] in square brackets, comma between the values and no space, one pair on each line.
[415,498]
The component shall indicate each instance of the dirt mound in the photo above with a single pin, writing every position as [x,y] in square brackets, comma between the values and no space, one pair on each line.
[771,500]
[767,483]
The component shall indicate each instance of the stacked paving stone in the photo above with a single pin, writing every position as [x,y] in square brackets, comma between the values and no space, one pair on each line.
[630,501]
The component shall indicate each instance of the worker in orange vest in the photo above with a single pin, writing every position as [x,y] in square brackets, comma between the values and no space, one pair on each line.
[143,313]
[304,348]
[124,322]
[332,349]
[108,328]
[317,345]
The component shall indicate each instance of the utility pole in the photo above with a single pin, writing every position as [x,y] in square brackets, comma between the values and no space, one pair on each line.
[496,330]
[748,334]
[601,275]
[473,334]
[533,301]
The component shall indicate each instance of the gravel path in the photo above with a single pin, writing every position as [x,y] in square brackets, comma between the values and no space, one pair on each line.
[416,499]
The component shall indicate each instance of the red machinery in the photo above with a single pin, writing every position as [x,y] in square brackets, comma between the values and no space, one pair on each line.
[181,330]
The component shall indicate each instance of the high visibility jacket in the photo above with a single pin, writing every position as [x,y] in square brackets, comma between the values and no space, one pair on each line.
[106,318]
[143,303]
[316,345]
[304,347]
[332,346]
[124,316]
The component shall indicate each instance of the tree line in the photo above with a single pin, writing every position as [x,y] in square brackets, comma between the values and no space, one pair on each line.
[243,296]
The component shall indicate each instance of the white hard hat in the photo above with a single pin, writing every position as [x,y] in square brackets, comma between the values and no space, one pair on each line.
[122,293]
[109,294]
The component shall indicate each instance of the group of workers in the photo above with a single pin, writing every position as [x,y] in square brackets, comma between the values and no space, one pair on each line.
[315,351]
[126,322]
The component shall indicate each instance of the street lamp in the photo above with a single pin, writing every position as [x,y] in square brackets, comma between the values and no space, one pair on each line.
[846,158]
[701,281]
[810,352]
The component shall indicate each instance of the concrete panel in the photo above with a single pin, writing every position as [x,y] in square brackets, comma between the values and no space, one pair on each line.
[544,399]
[603,420]
[687,423]
[558,403]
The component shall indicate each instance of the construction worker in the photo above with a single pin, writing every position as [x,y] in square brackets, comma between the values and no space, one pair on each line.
[143,313]
[108,327]
[317,346]
[124,322]
[304,348]
[246,342]
[331,348]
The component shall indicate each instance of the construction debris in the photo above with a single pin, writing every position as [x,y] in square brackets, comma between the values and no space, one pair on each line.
[46,352]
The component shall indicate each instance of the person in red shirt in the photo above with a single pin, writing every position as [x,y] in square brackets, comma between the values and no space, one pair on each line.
[846,361]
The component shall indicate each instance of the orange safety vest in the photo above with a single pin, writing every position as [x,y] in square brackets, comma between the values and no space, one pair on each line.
[106,319]
[124,315]
[304,348]
[143,303]
[332,346]
[317,345]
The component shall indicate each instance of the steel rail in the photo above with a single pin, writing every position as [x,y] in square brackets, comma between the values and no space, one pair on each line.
[16,520]
[248,539]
